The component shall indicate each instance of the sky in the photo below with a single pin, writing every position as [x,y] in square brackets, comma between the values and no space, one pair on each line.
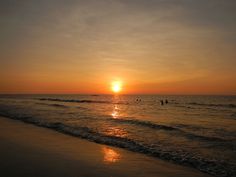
[151,46]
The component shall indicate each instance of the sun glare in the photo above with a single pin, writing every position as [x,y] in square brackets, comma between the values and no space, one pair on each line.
[116,86]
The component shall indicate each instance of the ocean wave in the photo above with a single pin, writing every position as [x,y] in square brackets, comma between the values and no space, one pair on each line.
[54,105]
[213,105]
[81,101]
[145,123]
[183,106]
[62,106]
[179,131]
[214,167]
[201,128]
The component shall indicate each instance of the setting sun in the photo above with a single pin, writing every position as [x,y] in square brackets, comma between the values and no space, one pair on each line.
[116,86]
[156,77]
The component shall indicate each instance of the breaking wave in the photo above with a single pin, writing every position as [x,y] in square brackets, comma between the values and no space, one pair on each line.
[179,131]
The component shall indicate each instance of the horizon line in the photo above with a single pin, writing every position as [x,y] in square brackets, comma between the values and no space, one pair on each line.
[97,94]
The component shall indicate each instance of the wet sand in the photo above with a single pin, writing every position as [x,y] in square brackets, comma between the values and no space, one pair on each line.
[30,151]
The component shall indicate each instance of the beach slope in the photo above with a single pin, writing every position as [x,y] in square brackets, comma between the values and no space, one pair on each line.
[30,151]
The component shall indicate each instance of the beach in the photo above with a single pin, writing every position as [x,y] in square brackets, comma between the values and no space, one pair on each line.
[118,88]
[28,150]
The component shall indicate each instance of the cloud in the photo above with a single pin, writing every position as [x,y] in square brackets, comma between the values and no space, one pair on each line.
[153,39]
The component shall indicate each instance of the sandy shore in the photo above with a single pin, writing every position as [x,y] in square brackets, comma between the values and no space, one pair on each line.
[30,151]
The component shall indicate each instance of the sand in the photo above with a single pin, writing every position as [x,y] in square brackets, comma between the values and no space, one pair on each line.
[30,151]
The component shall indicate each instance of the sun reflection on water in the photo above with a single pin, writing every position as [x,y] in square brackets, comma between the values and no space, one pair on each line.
[110,155]
[115,112]
[116,131]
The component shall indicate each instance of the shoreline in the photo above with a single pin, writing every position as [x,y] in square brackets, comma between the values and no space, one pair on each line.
[28,150]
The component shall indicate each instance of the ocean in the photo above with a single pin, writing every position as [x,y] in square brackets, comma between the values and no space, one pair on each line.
[195,131]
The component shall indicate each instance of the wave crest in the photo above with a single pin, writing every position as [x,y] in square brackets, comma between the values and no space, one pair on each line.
[214,105]
[179,131]
[81,101]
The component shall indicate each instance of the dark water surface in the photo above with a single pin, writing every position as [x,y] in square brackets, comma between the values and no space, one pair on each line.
[196,131]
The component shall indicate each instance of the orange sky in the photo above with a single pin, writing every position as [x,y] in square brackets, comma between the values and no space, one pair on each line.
[154,47]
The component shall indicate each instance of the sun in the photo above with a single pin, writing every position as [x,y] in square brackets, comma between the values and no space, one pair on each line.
[116,86]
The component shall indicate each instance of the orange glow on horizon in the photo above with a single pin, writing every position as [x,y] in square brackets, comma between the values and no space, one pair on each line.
[98,52]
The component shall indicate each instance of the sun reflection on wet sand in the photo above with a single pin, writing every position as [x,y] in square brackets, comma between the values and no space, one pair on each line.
[110,155]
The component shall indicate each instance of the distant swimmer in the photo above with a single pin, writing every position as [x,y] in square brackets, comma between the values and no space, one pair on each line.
[161,102]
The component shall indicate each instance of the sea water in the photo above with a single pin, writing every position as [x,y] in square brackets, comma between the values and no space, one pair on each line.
[195,131]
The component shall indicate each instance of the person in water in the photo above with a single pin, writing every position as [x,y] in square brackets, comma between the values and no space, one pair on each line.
[161,102]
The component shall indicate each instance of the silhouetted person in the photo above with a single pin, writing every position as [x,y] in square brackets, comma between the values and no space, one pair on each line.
[162,102]
[166,101]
